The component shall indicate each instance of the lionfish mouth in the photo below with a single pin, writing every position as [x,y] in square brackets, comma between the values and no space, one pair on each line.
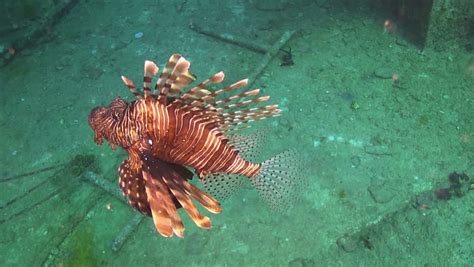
[93,116]
[95,120]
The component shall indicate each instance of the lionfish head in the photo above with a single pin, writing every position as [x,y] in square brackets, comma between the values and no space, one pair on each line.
[103,119]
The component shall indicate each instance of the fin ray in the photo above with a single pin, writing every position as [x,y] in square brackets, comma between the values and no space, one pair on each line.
[176,66]
[160,216]
[206,200]
[188,205]
[133,187]
[150,71]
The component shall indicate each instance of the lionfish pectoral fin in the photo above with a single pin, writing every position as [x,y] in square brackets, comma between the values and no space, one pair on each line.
[164,213]
[175,178]
[160,217]
[206,200]
[187,204]
[281,180]
[223,185]
[133,186]
[98,138]
[184,191]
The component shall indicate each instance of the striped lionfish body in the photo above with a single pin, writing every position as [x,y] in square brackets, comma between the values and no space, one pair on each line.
[167,132]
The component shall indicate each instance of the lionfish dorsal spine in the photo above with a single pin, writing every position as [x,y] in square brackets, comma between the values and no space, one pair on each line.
[200,91]
[207,100]
[210,99]
[175,76]
[253,92]
[150,71]
[176,66]
[131,87]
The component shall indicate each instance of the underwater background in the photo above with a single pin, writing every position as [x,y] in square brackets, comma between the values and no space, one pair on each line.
[377,96]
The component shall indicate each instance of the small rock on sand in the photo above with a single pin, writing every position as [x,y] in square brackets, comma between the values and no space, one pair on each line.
[346,243]
[384,73]
[381,192]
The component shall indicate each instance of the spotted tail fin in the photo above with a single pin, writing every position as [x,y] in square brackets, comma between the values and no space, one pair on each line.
[280,180]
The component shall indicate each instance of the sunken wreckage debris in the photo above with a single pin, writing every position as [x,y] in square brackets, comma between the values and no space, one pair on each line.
[34,32]
[113,190]
[43,190]
[269,52]
[416,209]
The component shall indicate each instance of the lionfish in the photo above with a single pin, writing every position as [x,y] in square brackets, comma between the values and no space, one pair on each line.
[170,135]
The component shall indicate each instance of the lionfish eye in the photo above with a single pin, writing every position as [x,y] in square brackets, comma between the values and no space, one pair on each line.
[115,117]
